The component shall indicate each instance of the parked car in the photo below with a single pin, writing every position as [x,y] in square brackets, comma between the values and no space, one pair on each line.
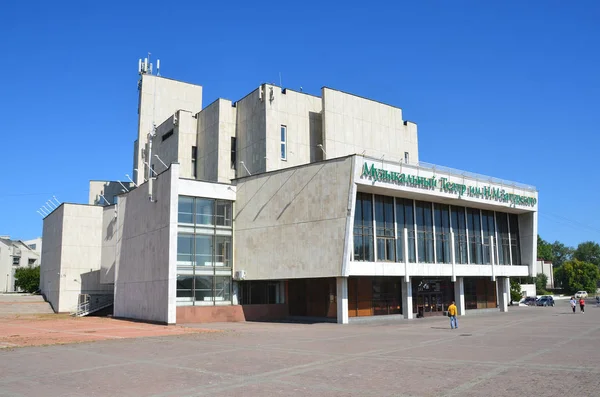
[545,300]
[581,294]
[529,301]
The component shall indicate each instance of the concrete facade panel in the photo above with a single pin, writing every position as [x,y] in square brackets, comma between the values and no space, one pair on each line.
[294,213]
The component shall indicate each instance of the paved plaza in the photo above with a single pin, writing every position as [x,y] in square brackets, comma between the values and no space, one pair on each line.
[530,351]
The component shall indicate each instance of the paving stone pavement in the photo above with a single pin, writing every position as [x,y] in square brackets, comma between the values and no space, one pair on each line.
[532,351]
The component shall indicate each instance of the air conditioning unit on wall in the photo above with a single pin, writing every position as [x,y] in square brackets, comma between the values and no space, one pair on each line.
[240,275]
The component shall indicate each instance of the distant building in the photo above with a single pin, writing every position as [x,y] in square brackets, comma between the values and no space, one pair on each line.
[13,255]
[286,204]
[547,268]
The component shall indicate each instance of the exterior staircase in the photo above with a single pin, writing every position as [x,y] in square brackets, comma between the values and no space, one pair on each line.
[88,304]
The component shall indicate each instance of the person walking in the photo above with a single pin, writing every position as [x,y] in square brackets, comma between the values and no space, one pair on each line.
[452,311]
[573,303]
[582,305]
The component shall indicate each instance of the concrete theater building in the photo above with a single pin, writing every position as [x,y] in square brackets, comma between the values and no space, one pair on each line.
[285,204]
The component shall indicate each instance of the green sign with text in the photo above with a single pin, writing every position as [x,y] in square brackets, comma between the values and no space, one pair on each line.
[446,186]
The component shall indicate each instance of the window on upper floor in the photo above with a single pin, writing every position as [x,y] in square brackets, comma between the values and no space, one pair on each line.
[16,260]
[406,157]
[233,151]
[167,135]
[194,155]
[31,261]
[283,142]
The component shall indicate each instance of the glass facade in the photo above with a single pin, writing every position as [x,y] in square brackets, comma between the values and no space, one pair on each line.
[480,236]
[204,251]
[363,228]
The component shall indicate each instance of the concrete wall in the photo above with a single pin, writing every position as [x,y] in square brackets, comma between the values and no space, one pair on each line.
[166,143]
[112,229]
[300,113]
[528,236]
[171,96]
[72,249]
[187,133]
[145,284]
[352,124]
[208,142]
[109,189]
[251,132]
[292,223]
[50,272]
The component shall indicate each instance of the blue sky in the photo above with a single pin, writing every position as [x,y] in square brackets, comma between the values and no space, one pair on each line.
[509,89]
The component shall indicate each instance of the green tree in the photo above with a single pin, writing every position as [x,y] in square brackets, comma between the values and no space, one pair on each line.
[576,275]
[541,280]
[515,290]
[28,278]
[544,250]
[588,252]
[561,253]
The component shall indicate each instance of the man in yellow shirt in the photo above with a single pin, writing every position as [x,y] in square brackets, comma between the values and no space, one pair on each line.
[452,311]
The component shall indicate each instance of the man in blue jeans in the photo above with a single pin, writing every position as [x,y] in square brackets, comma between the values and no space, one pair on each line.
[452,314]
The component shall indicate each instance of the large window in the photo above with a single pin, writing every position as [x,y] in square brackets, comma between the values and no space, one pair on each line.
[428,227]
[514,239]
[405,218]
[459,228]
[489,235]
[384,226]
[442,233]
[503,240]
[424,232]
[363,228]
[261,292]
[474,225]
[204,251]
[283,142]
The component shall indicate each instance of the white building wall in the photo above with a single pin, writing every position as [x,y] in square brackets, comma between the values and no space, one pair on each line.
[300,113]
[73,246]
[352,124]
[292,223]
[208,142]
[165,144]
[251,135]
[145,283]
[50,272]
[227,124]
[111,231]
[159,99]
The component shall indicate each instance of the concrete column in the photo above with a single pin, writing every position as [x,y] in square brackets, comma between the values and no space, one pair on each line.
[459,295]
[503,285]
[342,300]
[407,305]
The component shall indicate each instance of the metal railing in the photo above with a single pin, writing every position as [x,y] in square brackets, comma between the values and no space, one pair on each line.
[88,304]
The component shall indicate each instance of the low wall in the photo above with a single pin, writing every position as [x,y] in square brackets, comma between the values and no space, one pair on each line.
[234,313]
[265,312]
[209,314]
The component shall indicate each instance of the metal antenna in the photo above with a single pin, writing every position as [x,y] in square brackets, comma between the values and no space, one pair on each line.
[57,202]
[244,165]
[51,204]
[41,209]
[40,213]
[162,162]
[105,200]
[127,190]
[320,146]
[130,180]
